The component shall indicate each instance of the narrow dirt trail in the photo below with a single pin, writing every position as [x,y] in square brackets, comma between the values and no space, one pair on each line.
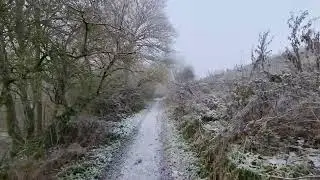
[154,153]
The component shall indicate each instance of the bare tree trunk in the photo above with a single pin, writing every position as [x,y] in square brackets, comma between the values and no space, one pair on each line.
[11,118]
[85,43]
[23,85]
[38,79]
[127,65]
[19,27]
[298,63]
[29,122]
[38,105]
[318,63]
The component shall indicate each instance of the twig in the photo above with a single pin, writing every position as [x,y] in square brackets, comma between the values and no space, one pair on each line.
[314,114]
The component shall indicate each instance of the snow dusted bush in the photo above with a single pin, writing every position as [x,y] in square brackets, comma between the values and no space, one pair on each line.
[251,125]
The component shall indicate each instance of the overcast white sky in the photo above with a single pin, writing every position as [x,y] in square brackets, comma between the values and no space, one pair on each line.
[217,34]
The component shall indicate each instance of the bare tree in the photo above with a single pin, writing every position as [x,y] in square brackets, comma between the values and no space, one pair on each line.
[67,51]
[311,41]
[260,56]
[296,25]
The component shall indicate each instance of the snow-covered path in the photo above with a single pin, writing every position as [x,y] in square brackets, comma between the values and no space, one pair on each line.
[155,152]
[143,158]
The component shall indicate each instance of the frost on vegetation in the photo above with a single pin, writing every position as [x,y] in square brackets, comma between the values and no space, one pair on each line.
[92,165]
[209,108]
[183,162]
[280,119]
[127,126]
[288,165]
[215,127]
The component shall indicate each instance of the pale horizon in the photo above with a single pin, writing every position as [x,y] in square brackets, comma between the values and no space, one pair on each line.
[216,35]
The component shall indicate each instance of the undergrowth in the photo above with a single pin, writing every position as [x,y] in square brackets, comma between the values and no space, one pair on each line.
[91,166]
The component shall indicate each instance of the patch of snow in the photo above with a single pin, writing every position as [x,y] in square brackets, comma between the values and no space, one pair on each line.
[282,163]
[276,161]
